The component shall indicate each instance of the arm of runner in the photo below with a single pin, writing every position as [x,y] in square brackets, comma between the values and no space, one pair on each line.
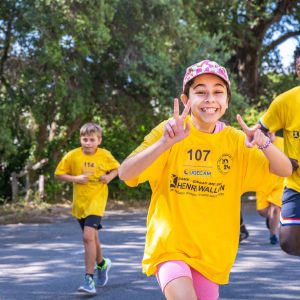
[175,130]
[250,132]
[279,163]
[107,178]
[80,179]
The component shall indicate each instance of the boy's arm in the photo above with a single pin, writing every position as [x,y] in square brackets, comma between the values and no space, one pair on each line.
[107,178]
[80,179]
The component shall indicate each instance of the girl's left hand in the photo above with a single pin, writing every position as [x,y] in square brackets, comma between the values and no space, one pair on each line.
[254,136]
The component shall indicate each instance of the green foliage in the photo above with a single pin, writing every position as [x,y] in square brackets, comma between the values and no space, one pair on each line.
[119,63]
[275,84]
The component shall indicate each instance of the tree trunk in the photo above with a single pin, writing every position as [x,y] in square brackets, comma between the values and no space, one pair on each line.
[247,72]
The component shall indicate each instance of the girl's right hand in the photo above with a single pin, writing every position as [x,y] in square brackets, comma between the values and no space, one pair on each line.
[177,129]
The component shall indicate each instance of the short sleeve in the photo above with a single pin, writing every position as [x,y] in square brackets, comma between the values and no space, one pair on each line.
[153,172]
[110,162]
[64,166]
[274,118]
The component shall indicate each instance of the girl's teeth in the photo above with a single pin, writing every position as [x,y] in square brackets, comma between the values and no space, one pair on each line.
[209,109]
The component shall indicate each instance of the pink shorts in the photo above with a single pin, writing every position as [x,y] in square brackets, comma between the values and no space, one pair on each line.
[170,270]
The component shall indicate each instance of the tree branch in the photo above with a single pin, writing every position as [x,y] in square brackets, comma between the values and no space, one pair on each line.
[280,40]
[283,6]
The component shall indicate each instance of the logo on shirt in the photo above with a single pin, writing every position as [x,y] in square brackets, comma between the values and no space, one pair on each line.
[196,187]
[224,163]
[201,173]
[296,134]
[174,180]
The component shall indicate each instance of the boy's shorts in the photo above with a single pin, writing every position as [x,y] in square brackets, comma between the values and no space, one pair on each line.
[90,221]
[263,200]
[290,212]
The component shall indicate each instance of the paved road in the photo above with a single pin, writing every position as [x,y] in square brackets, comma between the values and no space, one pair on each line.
[45,261]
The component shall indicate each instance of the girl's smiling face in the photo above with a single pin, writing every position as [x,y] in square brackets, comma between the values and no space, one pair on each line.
[209,101]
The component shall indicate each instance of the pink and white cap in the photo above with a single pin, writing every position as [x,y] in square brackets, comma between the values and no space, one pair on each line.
[204,67]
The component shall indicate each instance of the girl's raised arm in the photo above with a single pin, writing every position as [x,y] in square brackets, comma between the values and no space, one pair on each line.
[175,130]
[279,162]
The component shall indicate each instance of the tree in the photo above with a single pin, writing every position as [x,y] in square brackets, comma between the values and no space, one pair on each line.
[77,61]
[119,63]
[252,30]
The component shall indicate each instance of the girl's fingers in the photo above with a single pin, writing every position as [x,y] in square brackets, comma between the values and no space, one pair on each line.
[242,123]
[173,124]
[187,128]
[176,108]
[255,127]
[169,130]
[186,109]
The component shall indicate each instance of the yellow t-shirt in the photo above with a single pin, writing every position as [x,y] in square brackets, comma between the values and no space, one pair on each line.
[284,113]
[194,214]
[273,185]
[90,198]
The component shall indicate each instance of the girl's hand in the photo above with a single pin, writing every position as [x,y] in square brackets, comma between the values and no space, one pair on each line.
[254,136]
[176,129]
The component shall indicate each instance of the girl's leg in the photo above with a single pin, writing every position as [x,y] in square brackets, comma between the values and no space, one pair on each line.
[175,280]
[205,289]
[180,289]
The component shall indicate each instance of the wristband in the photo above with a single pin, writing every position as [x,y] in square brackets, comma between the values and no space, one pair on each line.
[265,146]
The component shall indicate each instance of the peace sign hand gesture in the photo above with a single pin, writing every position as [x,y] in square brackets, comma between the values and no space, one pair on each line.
[176,129]
[254,136]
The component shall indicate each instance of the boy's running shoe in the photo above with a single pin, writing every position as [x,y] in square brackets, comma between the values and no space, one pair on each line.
[88,285]
[273,239]
[102,272]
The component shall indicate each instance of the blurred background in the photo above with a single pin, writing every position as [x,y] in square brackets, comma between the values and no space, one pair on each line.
[120,63]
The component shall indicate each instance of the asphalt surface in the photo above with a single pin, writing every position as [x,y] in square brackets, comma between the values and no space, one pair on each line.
[45,261]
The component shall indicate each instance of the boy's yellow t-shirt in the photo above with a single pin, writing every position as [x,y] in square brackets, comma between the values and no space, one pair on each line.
[194,214]
[90,198]
[284,113]
[273,185]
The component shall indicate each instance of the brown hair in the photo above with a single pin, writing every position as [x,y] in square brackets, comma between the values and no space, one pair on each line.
[190,83]
[90,128]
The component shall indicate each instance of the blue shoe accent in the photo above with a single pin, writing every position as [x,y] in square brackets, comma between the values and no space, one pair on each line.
[102,273]
[88,285]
